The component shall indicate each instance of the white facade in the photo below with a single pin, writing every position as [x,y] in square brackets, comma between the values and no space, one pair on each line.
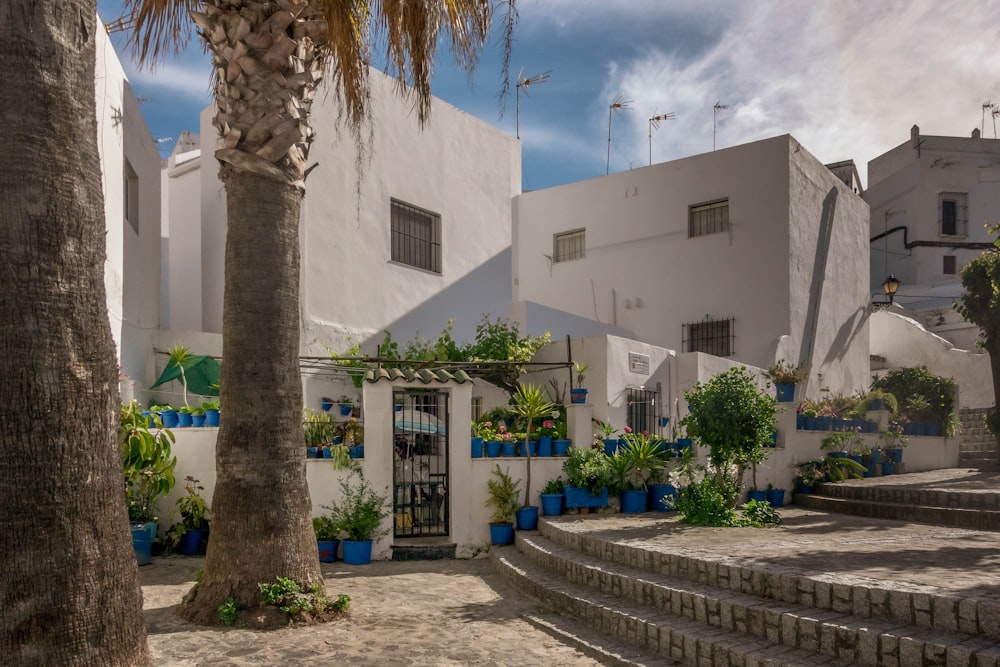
[916,234]
[456,167]
[789,271]
[130,173]
[182,243]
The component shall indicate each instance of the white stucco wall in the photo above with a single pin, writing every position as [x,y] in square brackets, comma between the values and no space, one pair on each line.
[182,237]
[132,265]
[905,343]
[643,274]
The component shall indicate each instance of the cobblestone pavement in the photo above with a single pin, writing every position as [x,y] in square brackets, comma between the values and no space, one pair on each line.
[444,612]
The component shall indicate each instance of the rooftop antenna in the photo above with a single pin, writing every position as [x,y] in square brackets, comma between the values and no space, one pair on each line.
[120,24]
[986,105]
[523,83]
[617,105]
[655,122]
[995,112]
[715,114]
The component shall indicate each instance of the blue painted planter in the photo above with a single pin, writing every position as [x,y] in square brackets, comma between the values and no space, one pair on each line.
[578,396]
[169,418]
[888,467]
[776,497]
[501,533]
[785,392]
[345,409]
[356,452]
[327,550]
[576,497]
[759,496]
[545,445]
[198,420]
[211,417]
[477,448]
[192,541]
[184,419]
[142,544]
[560,447]
[658,494]
[527,517]
[508,448]
[492,448]
[312,452]
[551,504]
[610,446]
[802,487]
[895,455]
[357,552]
[634,501]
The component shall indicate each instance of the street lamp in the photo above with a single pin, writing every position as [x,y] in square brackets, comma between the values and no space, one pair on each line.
[890,286]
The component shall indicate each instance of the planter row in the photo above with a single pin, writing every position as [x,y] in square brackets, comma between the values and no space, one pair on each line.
[355,452]
[174,419]
[544,446]
[674,449]
[804,423]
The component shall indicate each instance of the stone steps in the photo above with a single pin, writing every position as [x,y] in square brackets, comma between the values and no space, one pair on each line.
[979,510]
[722,611]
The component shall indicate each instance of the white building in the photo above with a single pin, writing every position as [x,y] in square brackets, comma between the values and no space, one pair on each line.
[130,178]
[757,253]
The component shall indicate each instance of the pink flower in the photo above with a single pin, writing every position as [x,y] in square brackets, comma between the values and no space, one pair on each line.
[488,424]
[503,429]
[628,429]
[548,423]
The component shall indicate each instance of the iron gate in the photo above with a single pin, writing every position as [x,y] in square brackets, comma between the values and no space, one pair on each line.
[420,463]
[644,411]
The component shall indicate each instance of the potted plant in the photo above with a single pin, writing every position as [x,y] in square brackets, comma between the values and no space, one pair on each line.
[197,416]
[189,535]
[631,468]
[578,394]
[211,409]
[502,499]
[327,541]
[586,471]
[608,435]
[360,514]
[354,437]
[184,419]
[893,441]
[167,414]
[346,405]
[785,376]
[529,403]
[318,430]
[482,432]
[560,441]
[148,471]
[552,497]
[808,474]
[547,432]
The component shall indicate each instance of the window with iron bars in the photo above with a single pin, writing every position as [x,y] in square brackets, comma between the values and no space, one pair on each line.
[569,245]
[416,237]
[708,218]
[710,336]
[644,412]
[953,213]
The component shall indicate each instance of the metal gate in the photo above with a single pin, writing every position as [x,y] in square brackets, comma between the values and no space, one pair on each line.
[420,463]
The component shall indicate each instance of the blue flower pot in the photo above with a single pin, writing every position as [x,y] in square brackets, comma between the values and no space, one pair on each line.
[545,445]
[142,544]
[610,446]
[888,467]
[327,550]
[895,455]
[527,518]
[785,392]
[634,501]
[501,533]
[192,541]
[776,497]
[198,420]
[551,504]
[492,448]
[577,497]
[345,409]
[211,417]
[560,447]
[184,419]
[759,496]
[477,448]
[357,552]
[508,448]
[169,418]
[658,495]
[356,452]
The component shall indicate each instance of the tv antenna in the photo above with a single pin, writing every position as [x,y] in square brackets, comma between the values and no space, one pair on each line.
[995,112]
[523,83]
[986,105]
[715,115]
[120,24]
[617,105]
[655,122]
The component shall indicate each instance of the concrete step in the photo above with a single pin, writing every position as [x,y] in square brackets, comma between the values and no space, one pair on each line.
[870,600]
[684,641]
[962,517]
[894,490]
[595,644]
[830,634]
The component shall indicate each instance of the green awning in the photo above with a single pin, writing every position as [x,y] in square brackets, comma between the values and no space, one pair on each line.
[201,372]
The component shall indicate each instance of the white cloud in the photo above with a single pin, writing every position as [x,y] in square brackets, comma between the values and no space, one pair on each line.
[190,80]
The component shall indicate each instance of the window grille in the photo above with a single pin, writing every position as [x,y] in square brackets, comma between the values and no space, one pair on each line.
[953,213]
[644,412]
[708,218]
[710,336]
[416,237]
[569,245]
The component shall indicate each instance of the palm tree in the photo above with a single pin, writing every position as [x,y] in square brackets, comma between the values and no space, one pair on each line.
[529,404]
[69,591]
[269,57]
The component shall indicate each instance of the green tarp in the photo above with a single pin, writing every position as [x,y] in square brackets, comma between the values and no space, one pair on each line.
[201,372]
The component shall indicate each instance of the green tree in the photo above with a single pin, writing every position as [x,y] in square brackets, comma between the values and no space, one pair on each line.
[499,340]
[736,421]
[269,57]
[69,590]
[980,305]
[528,403]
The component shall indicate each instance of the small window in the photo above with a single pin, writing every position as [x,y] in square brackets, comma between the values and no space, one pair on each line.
[569,245]
[708,218]
[477,408]
[130,197]
[953,213]
[709,336]
[416,237]
[949,266]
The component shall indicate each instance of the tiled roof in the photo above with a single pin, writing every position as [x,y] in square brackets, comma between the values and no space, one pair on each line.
[424,375]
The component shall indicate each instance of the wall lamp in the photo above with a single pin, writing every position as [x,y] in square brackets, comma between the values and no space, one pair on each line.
[890,286]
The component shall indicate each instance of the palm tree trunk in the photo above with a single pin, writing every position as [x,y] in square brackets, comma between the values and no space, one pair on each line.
[261,510]
[69,590]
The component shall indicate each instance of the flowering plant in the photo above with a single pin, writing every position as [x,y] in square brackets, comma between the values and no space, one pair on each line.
[607,430]
[503,434]
[484,430]
[549,428]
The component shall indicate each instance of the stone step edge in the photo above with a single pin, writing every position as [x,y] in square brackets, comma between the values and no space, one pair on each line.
[987,501]
[924,609]
[727,609]
[685,641]
[570,633]
[958,517]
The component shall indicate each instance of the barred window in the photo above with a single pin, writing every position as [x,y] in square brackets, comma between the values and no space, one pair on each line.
[708,218]
[710,336]
[569,245]
[953,213]
[949,265]
[477,408]
[416,237]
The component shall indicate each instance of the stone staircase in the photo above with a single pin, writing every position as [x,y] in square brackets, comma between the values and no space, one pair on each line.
[978,446]
[929,502]
[631,600]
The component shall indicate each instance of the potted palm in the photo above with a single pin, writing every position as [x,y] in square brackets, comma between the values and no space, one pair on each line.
[632,466]
[502,499]
[578,394]
[360,514]
[529,404]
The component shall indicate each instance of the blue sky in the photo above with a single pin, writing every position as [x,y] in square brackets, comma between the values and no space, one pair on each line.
[847,78]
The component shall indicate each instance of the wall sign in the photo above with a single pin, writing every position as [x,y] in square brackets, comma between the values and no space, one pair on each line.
[638,363]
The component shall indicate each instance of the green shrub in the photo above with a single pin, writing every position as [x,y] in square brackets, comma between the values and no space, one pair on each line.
[922,396]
